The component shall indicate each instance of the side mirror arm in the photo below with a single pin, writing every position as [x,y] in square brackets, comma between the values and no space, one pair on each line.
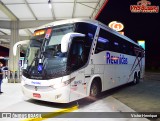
[66,40]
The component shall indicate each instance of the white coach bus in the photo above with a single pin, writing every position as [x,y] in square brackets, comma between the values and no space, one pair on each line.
[71,59]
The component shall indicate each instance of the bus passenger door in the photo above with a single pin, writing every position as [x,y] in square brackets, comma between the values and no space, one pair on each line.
[77,61]
[78,86]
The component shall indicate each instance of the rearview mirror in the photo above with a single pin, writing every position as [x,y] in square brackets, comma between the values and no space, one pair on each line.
[24,42]
[67,39]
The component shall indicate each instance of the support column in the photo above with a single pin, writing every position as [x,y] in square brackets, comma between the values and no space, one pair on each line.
[13,60]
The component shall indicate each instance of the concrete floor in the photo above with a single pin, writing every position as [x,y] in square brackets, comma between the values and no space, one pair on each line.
[140,98]
[143,97]
[12,100]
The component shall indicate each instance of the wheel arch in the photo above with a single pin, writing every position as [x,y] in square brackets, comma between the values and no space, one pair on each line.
[93,78]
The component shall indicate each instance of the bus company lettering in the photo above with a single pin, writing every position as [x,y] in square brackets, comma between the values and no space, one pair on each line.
[110,59]
[35,82]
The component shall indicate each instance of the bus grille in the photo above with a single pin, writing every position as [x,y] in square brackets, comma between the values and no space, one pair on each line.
[38,88]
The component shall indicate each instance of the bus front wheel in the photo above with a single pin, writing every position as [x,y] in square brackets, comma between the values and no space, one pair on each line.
[95,90]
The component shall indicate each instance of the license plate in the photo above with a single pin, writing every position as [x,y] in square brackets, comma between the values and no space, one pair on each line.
[36,95]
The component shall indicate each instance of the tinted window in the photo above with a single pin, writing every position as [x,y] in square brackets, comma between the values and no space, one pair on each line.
[58,33]
[116,46]
[89,30]
[77,53]
[112,42]
[103,42]
[86,28]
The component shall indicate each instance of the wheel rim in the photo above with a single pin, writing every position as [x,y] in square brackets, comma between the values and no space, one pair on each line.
[94,90]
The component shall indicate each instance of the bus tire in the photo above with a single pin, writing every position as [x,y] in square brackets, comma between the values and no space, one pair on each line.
[95,89]
[136,80]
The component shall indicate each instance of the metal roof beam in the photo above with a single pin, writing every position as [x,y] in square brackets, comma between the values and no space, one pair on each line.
[24,24]
[4,40]
[97,8]
[87,5]
[33,23]
[5,24]
[4,45]
[9,36]
[52,11]
[74,8]
[28,32]
[3,32]
[9,13]
[30,9]
[52,2]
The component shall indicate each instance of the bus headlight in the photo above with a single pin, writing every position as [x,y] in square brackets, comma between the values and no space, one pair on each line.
[62,84]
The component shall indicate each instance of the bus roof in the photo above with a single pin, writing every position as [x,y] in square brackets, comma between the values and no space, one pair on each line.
[91,21]
[67,21]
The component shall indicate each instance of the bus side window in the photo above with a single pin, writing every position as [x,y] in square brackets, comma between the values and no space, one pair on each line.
[103,42]
[102,45]
[77,54]
[116,46]
[122,46]
[131,47]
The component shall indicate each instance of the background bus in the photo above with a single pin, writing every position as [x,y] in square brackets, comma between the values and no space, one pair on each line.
[72,59]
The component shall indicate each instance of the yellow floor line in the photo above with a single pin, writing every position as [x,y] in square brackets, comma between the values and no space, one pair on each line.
[53,114]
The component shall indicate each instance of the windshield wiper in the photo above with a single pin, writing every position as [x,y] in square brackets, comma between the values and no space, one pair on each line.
[30,69]
[39,55]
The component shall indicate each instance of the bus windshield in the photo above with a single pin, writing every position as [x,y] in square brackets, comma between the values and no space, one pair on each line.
[53,62]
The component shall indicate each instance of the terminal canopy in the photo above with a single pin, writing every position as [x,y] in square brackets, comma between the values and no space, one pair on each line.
[42,12]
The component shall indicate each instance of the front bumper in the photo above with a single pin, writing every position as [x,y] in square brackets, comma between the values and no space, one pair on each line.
[47,93]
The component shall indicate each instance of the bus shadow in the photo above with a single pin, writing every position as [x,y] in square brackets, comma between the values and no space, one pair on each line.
[81,102]
[89,100]
[110,92]
[52,104]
